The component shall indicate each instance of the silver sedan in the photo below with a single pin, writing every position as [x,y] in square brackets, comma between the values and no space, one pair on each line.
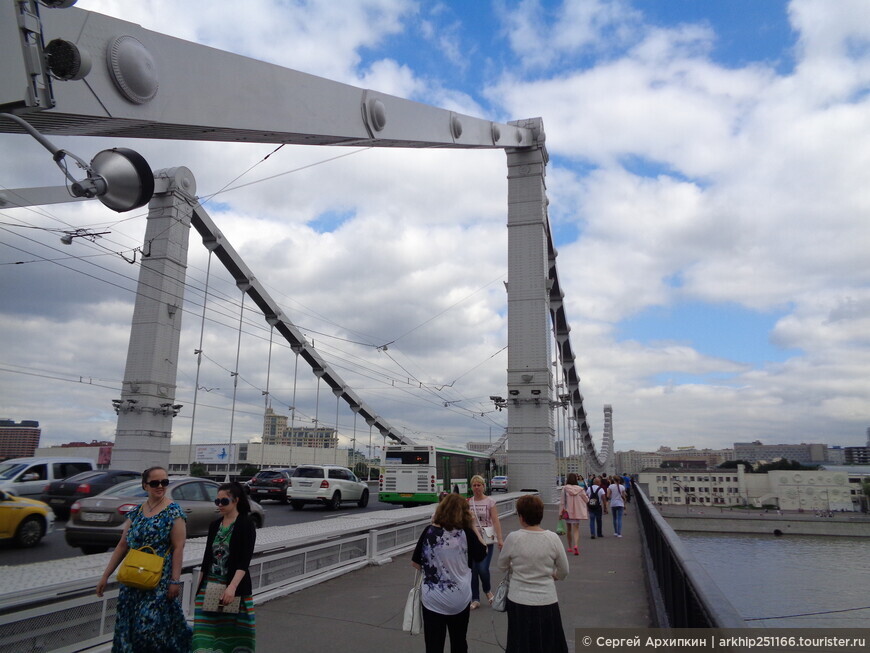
[95,523]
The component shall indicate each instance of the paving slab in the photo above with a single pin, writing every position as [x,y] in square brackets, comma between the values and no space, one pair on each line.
[362,611]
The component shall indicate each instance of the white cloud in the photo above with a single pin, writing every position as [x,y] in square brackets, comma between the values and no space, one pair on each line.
[684,180]
[314,36]
[541,36]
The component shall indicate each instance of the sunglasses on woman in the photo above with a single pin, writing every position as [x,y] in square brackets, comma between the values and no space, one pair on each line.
[223,501]
[161,483]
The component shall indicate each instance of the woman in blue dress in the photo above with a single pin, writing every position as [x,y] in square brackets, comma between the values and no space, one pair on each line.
[149,621]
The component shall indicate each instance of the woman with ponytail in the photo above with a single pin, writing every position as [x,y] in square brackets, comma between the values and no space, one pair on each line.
[226,560]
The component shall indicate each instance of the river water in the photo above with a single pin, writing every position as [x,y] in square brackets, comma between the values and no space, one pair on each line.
[806,581]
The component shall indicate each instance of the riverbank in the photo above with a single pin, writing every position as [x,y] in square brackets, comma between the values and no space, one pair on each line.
[711,520]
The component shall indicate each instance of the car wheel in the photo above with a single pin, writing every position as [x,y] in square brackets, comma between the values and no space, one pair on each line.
[334,502]
[297,505]
[364,499]
[29,532]
[283,500]
[92,549]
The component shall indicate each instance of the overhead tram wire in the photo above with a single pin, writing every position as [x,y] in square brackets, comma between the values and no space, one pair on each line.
[446,310]
[288,172]
[234,188]
[135,291]
[79,380]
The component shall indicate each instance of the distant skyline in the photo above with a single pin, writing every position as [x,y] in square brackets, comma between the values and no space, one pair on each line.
[708,198]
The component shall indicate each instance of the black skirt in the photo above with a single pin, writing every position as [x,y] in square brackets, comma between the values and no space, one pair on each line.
[535,629]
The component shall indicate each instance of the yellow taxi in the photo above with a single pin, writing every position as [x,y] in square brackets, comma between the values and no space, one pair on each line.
[24,520]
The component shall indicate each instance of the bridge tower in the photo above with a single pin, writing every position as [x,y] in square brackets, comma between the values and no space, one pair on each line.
[530,434]
[147,404]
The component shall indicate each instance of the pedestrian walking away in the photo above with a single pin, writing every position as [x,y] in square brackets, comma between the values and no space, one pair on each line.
[596,507]
[535,559]
[573,509]
[446,551]
[616,500]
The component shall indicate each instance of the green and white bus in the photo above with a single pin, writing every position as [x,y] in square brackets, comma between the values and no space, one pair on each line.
[418,474]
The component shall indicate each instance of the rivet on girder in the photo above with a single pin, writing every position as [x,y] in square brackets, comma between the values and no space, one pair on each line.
[455,127]
[377,114]
[133,69]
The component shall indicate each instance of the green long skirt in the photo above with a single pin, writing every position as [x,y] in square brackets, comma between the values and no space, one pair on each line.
[217,632]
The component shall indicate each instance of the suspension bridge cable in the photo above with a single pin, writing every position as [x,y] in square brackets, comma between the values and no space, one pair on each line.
[287,172]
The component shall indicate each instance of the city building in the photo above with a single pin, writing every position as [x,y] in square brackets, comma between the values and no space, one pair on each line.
[856,455]
[221,457]
[274,425]
[18,439]
[754,452]
[276,431]
[800,490]
[632,462]
[836,455]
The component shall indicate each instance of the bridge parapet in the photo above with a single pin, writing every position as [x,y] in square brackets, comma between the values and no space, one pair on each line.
[683,593]
[52,607]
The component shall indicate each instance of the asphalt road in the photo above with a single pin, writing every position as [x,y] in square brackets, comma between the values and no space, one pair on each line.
[54,547]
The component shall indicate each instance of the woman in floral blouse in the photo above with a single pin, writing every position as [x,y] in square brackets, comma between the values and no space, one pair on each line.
[445,552]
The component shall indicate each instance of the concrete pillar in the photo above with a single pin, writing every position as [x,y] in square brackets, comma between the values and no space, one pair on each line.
[531,455]
[145,409]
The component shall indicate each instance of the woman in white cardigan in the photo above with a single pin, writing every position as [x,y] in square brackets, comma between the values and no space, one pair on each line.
[536,559]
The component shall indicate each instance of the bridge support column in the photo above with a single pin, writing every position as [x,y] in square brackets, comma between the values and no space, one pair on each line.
[147,404]
[531,455]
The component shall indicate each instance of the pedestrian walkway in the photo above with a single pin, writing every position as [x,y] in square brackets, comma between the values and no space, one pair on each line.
[362,611]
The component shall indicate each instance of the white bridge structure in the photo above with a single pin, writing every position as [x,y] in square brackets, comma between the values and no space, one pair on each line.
[67,71]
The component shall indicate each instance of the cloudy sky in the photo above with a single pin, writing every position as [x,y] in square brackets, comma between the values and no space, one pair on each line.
[708,195]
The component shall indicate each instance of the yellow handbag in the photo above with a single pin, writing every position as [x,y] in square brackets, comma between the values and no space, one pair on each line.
[141,569]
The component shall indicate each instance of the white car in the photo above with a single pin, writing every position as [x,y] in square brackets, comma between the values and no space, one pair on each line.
[499,483]
[329,485]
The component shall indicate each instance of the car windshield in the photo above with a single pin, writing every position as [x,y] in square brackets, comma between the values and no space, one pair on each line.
[266,475]
[9,470]
[308,472]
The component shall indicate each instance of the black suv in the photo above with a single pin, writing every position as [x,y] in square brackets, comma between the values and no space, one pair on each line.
[270,484]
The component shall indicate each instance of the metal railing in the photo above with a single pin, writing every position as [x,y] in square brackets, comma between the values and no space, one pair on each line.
[683,594]
[52,608]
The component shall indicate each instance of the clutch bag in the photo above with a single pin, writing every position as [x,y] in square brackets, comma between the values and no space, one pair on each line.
[211,602]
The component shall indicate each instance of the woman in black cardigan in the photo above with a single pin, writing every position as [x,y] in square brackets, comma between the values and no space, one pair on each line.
[225,561]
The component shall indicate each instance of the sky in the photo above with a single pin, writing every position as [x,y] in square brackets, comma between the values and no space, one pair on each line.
[708,199]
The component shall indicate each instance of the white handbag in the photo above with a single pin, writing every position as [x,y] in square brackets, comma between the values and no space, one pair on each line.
[499,601]
[487,533]
[413,620]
